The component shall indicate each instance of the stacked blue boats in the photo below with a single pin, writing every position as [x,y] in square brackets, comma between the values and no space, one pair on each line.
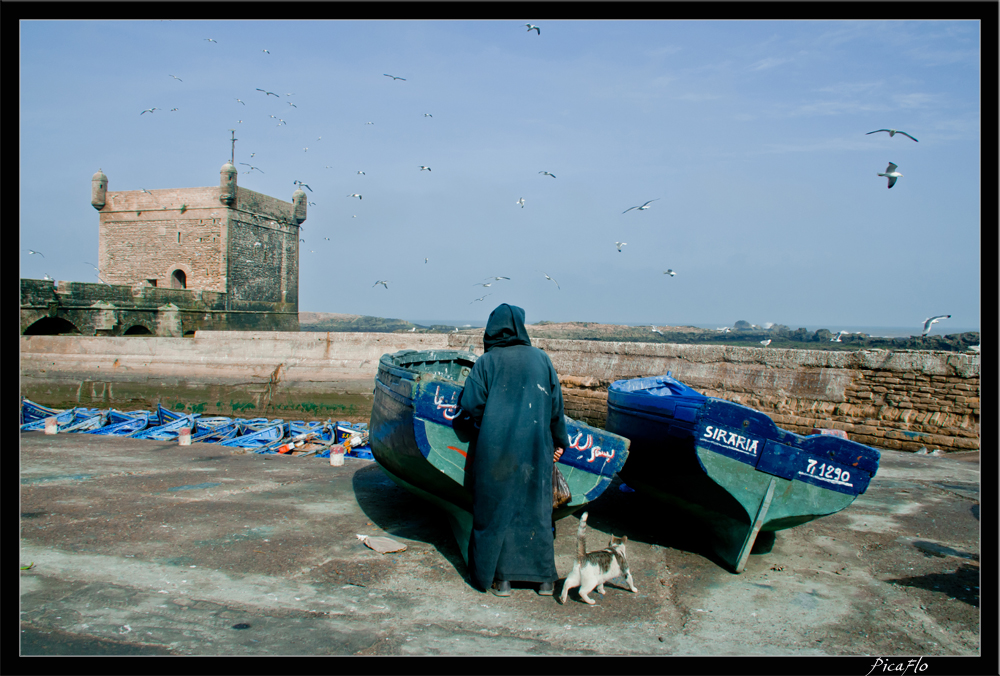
[259,435]
[729,466]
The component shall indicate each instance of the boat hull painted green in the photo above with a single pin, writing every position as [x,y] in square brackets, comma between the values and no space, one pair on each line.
[420,437]
[730,467]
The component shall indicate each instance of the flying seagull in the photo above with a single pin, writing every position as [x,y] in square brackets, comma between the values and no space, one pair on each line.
[656,330]
[301,184]
[145,191]
[670,272]
[620,245]
[267,92]
[361,172]
[498,278]
[891,174]
[553,281]
[173,109]
[281,122]
[291,104]
[425,260]
[483,284]
[47,278]
[892,132]
[176,78]
[724,329]
[149,110]
[428,115]
[480,298]
[765,343]
[36,252]
[532,27]
[265,51]
[521,202]
[422,167]
[383,282]
[836,339]
[394,77]
[547,174]
[253,167]
[241,101]
[642,208]
[211,40]
[930,321]
[354,194]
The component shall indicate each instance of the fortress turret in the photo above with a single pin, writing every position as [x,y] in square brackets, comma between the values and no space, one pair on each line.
[227,184]
[98,190]
[299,203]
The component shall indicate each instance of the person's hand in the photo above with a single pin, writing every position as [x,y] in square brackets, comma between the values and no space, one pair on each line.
[558,454]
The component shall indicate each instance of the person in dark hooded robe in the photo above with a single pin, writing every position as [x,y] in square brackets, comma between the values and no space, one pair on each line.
[514,397]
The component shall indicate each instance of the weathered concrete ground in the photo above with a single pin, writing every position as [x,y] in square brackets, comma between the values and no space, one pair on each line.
[145,547]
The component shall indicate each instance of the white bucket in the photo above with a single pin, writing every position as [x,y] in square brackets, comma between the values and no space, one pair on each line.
[51,426]
[184,437]
[337,455]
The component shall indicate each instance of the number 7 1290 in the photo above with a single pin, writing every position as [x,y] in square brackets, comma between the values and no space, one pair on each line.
[826,471]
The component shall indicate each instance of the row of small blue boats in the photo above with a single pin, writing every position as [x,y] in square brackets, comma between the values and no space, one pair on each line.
[259,435]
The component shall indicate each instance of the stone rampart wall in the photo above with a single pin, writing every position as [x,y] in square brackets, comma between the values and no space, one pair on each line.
[894,400]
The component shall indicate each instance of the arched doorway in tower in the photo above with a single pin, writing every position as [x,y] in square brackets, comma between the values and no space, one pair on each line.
[178,280]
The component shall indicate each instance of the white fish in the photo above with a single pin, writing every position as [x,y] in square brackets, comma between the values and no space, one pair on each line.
[930,321]
[891,174]
[642,208]
[892,132]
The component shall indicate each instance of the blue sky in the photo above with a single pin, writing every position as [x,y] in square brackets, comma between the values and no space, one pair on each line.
[750,136]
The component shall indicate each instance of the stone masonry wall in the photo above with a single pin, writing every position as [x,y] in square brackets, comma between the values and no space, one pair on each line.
[149,235]
[894,400]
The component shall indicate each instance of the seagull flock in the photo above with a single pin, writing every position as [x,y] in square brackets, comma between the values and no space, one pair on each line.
[890,173]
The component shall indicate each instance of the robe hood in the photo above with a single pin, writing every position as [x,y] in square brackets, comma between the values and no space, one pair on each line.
[505,328]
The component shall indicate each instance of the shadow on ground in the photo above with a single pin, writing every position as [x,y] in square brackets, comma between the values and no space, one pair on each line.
[398,513]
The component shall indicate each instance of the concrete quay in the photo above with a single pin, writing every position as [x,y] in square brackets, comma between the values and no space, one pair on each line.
[149,548]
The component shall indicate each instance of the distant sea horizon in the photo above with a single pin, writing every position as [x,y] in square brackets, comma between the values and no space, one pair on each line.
[939,329]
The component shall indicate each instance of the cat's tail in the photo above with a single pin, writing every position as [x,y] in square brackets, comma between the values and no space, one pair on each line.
[581,542]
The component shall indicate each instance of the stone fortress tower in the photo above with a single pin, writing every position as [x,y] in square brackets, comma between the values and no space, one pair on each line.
[172,261]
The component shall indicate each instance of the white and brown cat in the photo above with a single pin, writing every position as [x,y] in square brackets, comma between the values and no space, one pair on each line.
[592,569]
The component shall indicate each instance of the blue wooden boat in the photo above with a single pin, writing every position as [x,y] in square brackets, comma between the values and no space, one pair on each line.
[257,439]
[730,466]
[168,432]
[123,424]
[213,434]
[71,420]
[32,412]
[416,442]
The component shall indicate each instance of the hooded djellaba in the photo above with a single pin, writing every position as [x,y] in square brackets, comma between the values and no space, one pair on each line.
[513,396]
